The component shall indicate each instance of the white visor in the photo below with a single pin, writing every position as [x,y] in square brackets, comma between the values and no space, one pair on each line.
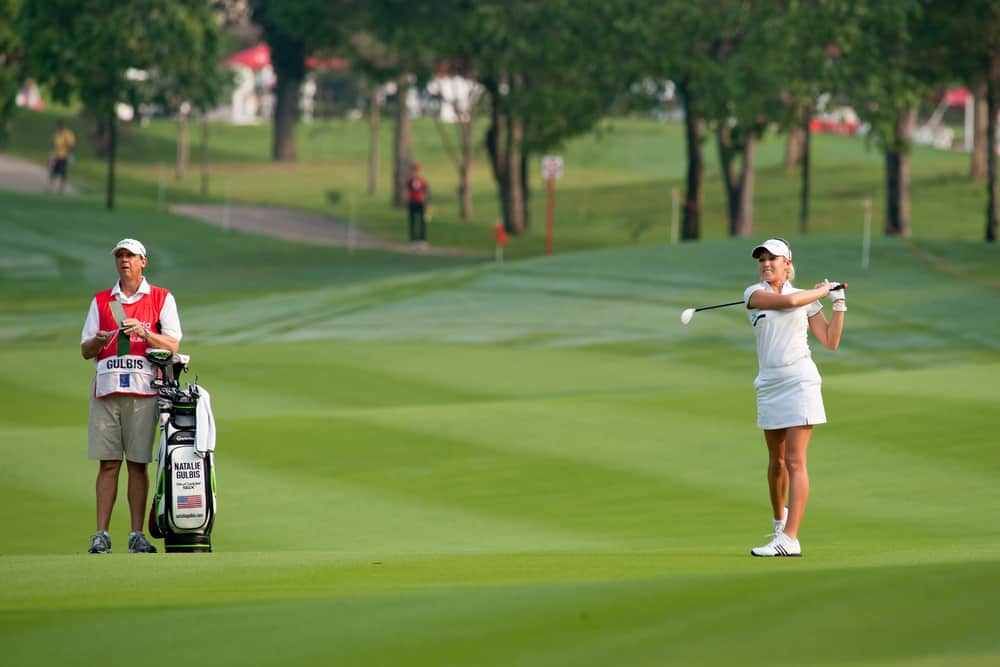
[132,246]
[776,247]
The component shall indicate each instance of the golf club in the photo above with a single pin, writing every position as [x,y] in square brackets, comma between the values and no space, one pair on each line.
[688,313]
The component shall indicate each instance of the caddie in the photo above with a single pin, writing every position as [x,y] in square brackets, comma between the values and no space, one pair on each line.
[123,322]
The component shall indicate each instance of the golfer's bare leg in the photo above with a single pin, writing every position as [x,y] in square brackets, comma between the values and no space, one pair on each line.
[796,444]
[107,490]
[138,491]
[777,472]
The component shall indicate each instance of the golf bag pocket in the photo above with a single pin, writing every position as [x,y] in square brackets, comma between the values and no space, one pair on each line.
[189,489]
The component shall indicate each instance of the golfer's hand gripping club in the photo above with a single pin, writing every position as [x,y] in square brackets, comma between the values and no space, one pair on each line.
[838,292]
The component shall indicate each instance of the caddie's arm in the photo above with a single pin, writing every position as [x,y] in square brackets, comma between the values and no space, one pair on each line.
[92,347]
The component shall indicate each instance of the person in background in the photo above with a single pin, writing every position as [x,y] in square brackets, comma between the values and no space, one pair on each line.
[63,142]
[789,401]
[123,406]
[418,194]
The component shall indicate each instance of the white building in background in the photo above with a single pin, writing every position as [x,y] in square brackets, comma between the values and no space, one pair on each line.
[457,96]
[29,96]
[242,108]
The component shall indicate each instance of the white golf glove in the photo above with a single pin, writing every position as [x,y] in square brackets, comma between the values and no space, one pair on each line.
[838,297]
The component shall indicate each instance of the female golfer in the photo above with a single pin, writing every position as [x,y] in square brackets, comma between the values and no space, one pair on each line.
[789,402]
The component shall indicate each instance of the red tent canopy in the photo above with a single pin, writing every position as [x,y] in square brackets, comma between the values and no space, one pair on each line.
[955,97]
[256,57]
[259,57]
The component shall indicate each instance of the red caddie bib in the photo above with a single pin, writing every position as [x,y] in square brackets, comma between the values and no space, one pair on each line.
[131,373]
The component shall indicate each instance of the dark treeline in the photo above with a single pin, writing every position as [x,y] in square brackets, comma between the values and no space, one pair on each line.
[548,71]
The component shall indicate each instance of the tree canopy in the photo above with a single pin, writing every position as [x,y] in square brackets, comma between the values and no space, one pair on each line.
[95,49]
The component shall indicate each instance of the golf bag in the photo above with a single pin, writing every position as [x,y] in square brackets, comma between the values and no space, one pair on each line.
[183,509]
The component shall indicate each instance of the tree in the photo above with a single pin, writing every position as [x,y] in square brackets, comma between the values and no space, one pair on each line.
[809,38]
[883,74]
[378,65]
[678,41]
[294,30]
[460,96]
[545,79]
[288,58]
[742,84]
[195,81]
[963,43]
[411,31]
[11,65]
[545,69]
[88,49]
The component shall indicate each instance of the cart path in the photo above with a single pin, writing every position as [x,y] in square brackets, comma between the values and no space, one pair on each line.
[26,176]
[284,223]
[302,226]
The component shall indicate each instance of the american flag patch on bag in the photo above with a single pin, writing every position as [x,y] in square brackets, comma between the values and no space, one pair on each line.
[188,502]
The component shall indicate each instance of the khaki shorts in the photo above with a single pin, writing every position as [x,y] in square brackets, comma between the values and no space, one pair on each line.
[122,425]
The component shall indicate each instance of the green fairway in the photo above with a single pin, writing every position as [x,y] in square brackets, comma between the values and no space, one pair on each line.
[444,461]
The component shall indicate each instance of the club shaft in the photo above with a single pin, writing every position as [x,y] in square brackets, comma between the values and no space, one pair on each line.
[734,303]
[721,305]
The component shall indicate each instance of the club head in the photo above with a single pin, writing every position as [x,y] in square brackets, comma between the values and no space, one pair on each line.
[686,315]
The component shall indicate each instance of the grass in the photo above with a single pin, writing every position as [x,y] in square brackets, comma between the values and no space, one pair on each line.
[439,461]
[616,190]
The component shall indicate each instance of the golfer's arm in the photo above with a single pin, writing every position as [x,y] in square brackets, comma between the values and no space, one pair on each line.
[827,333]
[763,300]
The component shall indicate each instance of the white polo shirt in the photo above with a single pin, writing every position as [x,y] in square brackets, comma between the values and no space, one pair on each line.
[170,322]
[781,334]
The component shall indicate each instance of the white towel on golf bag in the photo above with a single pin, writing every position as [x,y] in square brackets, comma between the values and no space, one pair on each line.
[205,440]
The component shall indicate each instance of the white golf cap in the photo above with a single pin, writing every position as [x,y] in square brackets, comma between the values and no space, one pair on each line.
[777,247]
[131,245]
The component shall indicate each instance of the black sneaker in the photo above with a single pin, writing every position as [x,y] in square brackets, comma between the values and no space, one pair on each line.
[100,543]
[138,544]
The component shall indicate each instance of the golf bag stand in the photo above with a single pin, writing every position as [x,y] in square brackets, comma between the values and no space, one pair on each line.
[183,508]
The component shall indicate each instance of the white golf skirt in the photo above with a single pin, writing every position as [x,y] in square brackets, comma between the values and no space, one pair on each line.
[789,396]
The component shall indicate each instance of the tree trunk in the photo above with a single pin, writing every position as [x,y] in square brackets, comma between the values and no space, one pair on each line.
[504,141]
[495,144]
[288,57]
[403,157]
[977,169]
[460,158]
[691,216]
[747,182]
[738,186]
[374,116]
[286,113]
[806,175]
[992,95]
[112,129]
[102,138]
[795,146]
[516,175]
[525,190]
[897,219]
[204,156]
[465,171]
[183,146]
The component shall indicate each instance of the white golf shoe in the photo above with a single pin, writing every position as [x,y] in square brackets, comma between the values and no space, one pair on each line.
[779,524]
[781,545]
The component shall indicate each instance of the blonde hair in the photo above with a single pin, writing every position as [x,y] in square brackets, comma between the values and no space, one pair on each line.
[791,271]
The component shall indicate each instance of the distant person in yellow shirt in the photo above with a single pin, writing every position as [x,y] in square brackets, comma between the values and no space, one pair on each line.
[63,142]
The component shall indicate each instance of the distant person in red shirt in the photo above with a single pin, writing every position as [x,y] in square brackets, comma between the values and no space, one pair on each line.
[418,195]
